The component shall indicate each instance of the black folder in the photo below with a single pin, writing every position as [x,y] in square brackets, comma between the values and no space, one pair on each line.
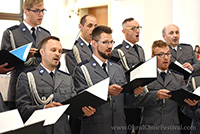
[35,128]
[130,86]
[144,75]
[94,96]
[12,60]
[83,99]
[181,94]
[177,68]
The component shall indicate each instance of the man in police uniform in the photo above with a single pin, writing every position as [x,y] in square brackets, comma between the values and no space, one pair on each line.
[82,49]
[97,68]
[130,54]
[183,53]
[159,113]
[46,87]
[28,31]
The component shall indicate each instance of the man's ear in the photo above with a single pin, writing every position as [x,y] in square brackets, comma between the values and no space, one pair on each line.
[42,51]
[94,43]
[152,56]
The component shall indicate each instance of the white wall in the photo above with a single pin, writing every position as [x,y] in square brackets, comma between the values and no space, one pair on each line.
[152,15]
[186,16]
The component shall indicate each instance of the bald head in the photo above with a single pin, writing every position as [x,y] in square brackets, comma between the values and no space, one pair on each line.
[171,35]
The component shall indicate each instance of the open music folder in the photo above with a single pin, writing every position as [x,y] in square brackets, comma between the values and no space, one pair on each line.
[49,115]
[181,94]
[11,123]
[177,66]
[94,96]
[142,75]
[15,57]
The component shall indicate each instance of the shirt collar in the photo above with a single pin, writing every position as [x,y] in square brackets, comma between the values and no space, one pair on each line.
[129,43]
[98,60]
[175,48]
[48,69]
[159,71]
[85,41]
[29,26]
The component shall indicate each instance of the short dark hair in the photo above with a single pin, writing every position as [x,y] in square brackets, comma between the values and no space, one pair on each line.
[127,20]
[45,40]
[100,29]
[83,19]
[158,43]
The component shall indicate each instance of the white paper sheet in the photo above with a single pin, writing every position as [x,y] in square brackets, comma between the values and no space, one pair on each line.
[146,70]
[10,120]
[50,115]
[100,89]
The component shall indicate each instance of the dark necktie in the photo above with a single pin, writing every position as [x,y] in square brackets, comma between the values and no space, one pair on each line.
[33,33]
[136,49]
[51,74]
[90,46]
[163,75]
[104,68]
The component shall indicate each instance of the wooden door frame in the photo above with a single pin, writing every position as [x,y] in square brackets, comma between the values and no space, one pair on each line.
[84,8]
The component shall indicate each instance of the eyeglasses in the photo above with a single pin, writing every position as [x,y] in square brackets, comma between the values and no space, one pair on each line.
[38,11]
[162,55]
[106,42]
[134,28]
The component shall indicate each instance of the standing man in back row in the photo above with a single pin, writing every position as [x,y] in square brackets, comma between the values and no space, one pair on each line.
[18,35]
[183,53]
[82,49]
[130,54]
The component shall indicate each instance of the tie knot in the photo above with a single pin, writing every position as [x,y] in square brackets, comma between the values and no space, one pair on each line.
[163,75]
[51,74]
[33,33]
[33,29]
[104,65]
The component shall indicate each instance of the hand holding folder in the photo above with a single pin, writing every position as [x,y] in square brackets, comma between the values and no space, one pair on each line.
[142,75]
[94,96]
[181,94]
[15,57]
[179,68]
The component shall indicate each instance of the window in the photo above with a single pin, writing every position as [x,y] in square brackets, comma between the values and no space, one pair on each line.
[11,13]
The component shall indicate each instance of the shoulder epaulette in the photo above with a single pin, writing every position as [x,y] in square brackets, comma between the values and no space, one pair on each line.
[29,69]
[185,44]
[13,27]
[119,46]
[138,45]
[44,29]
[64,72]
[82,63]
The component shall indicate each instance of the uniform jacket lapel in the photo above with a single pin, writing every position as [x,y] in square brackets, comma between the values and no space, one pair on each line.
[111,70]
[27,34]
[58,80]
[168,79]
[179,52]
[84,47]
[98,69]
[45,76]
